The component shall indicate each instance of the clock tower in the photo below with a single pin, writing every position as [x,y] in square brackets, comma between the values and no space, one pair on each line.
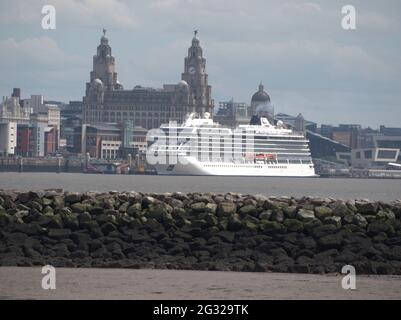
[196,77]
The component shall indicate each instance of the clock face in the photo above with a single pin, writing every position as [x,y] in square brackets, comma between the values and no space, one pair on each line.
[191,70]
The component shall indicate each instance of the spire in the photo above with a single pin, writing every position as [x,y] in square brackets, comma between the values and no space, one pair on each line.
[104,40]
[195,40]
[261,87]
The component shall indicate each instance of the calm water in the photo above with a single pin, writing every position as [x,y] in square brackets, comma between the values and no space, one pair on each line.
[374,189]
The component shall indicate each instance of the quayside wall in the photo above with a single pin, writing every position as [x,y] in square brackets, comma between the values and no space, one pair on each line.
[199,231]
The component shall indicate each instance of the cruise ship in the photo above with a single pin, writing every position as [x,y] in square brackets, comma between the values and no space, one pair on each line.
[201,146]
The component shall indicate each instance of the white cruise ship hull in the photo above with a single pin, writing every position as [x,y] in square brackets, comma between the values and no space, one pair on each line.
[198,168]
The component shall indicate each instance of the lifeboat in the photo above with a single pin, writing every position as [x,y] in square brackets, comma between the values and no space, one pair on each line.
[266,156]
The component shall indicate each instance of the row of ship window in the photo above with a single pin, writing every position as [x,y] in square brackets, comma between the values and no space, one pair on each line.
[242,166]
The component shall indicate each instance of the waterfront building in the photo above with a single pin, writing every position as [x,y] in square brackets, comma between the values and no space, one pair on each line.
[11,114]
[261,104]
[298,121]
[12,111]
[72,109]
[100,140]
[28,127]
[67,132]
[232,114]
[387,141]
[371,158]
[200,92]
[326,130]
[390,131]
[110,140]
[70,118]
[347,134]
[106,100]
[38,108]
[36,139]
[8,138]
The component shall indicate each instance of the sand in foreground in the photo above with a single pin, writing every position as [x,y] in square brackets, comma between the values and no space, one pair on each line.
[25,283]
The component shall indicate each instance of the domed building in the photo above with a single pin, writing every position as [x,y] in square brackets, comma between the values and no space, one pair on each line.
[261,104]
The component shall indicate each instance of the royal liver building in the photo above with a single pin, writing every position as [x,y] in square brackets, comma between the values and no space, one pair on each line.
[106,100]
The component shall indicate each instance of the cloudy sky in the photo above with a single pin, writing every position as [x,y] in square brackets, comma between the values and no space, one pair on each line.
[298,49]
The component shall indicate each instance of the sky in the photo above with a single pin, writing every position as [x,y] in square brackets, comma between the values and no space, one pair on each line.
[307,62]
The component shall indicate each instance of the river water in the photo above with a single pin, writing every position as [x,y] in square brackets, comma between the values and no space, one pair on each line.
[343,188]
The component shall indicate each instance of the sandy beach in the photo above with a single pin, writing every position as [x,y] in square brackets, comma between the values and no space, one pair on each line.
[80,283]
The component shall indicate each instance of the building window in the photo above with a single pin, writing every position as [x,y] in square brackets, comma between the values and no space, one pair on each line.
[367,154]
[386,154]
[358,155]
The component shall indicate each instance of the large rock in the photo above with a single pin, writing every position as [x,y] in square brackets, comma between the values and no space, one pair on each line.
[72,197]
[340,209]
[226,236]
[211,219]
[384,215]
[160,211]
[59,233]
[336,221]
[380,226]
[30,229]
[330,241]
[226,208]
[248,210]
[198,206]
[272,227]
[135,209]
[234,222]
[79,207]
[70,220]
[211,207]
[360,220]
[305,215]
[366,207]
[290,211]
[324,230]
[293,225]
[4,218]
[278,216]
[322,212]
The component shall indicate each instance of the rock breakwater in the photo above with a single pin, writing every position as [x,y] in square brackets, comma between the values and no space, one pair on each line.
[199,231]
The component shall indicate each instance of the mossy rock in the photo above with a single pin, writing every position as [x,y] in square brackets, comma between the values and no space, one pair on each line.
[234,222]
[324,230]
[265,215]
[290,211]
[272,227]
[322,212]
[248,209]
[135,209]
[211,208]
[211,219]
[306,215]
[293,225]
[226,208]
[380,226]
[336,221]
